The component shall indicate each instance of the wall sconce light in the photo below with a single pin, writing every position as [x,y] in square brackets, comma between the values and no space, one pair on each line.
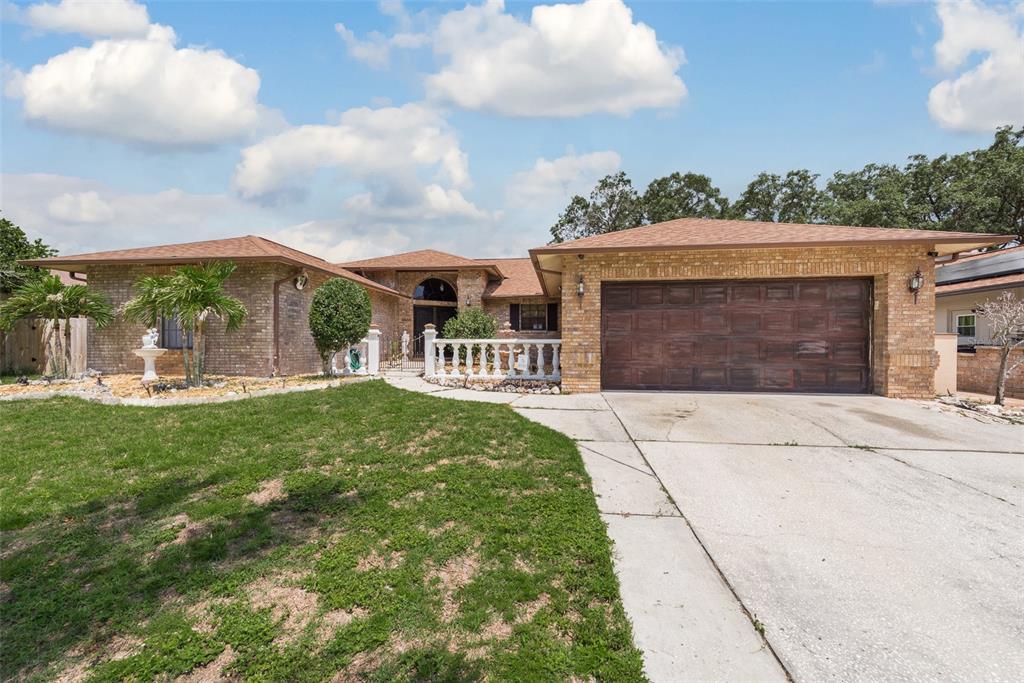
[915,283]
[579,287]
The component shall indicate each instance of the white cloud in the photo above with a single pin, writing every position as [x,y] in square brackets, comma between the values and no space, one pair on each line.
[385,147]
[144,91]
[80,207]
[562,177]
[568,60]
[334,241]
[106,18]
[76,215]
[374,51]
[991,93]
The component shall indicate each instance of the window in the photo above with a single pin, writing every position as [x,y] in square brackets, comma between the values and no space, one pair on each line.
[965,325]
[434,289]
[533,317]
[171,336]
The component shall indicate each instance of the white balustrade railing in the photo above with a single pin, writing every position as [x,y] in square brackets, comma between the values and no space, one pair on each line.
[491,358]
[369,356]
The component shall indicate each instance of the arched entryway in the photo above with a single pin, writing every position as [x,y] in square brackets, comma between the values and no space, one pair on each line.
[436,300]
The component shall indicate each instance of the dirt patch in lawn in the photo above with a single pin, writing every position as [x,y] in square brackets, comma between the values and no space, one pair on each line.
[269,491]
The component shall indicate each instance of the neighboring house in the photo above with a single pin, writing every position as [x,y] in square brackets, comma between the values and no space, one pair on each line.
[963,284]
[689,304]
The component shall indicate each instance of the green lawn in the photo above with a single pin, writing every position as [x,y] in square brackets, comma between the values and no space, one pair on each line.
[353,533]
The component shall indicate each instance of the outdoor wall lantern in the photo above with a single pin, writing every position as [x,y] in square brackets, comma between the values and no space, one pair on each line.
[916,283]
[579,287]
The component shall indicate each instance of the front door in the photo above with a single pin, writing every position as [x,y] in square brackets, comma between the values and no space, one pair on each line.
[421,315]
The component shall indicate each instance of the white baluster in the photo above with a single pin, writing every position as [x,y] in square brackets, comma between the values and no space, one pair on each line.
[456,348]
[556,370]
[469,361]
[439,365]
[495,361]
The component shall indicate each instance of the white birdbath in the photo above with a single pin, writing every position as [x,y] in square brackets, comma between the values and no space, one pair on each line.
[149,353]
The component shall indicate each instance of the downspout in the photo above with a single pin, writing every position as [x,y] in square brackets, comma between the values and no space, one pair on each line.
[277,323]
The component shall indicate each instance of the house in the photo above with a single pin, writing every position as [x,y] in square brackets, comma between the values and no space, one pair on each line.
[439,285]
[961,285]
[689,304]
[275,283]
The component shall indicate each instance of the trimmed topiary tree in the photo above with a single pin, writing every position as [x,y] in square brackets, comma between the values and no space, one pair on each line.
[470,323]
[339,317]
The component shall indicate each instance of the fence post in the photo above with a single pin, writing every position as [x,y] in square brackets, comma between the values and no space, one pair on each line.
[373,351]
[429,332]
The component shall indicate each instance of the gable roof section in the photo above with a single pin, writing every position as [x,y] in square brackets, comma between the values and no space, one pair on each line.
[706,233]
[424,259]
[521,280]
[247,248]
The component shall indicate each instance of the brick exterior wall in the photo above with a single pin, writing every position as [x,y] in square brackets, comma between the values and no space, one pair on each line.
[977,371]
[498,308]
[903,353]
[247,351]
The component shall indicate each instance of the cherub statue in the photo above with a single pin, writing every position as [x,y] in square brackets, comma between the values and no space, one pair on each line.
[150,339]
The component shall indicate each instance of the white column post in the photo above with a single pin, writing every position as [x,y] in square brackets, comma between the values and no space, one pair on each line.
[428,350]
[556,370]
[373,350]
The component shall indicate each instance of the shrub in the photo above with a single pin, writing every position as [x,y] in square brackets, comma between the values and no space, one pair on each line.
[339,316]
[471,323]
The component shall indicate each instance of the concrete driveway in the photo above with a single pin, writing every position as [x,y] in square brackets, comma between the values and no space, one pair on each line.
[872,539]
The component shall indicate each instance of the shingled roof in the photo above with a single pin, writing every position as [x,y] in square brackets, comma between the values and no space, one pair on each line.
[247,248]
[706,233]
[424,259]
[520,280]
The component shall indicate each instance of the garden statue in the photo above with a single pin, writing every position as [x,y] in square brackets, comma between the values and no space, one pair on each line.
[405,344]
[149,353]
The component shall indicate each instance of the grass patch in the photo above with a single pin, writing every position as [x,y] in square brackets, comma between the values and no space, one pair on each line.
[358,533]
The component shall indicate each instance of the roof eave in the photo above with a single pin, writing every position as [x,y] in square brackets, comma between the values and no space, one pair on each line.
[980,239]
[71,265]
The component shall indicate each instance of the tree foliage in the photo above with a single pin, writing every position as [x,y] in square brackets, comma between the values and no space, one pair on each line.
[191,294]
[613,205]
[681,195]
[470,323]
[15,246]
[980,190]
[48,298]
[339,317]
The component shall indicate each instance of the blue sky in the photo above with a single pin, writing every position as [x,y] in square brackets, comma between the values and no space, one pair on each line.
[465,129]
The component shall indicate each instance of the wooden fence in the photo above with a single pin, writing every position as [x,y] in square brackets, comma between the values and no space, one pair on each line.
[22,349]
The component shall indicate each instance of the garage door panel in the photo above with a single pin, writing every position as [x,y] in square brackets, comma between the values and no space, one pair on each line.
[778,321]
[774,335]
[648,295]
[743,322]
[618,349]
[680,321]
[680,294]
[712,321]
[616,321]
[617,296]
[647,321]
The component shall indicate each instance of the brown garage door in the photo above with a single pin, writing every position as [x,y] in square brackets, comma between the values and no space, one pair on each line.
[744,335]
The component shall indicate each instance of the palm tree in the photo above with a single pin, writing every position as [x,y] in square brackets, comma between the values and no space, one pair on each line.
[51,299]
[192,294]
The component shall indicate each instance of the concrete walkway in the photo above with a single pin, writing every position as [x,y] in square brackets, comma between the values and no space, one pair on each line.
[687,621]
